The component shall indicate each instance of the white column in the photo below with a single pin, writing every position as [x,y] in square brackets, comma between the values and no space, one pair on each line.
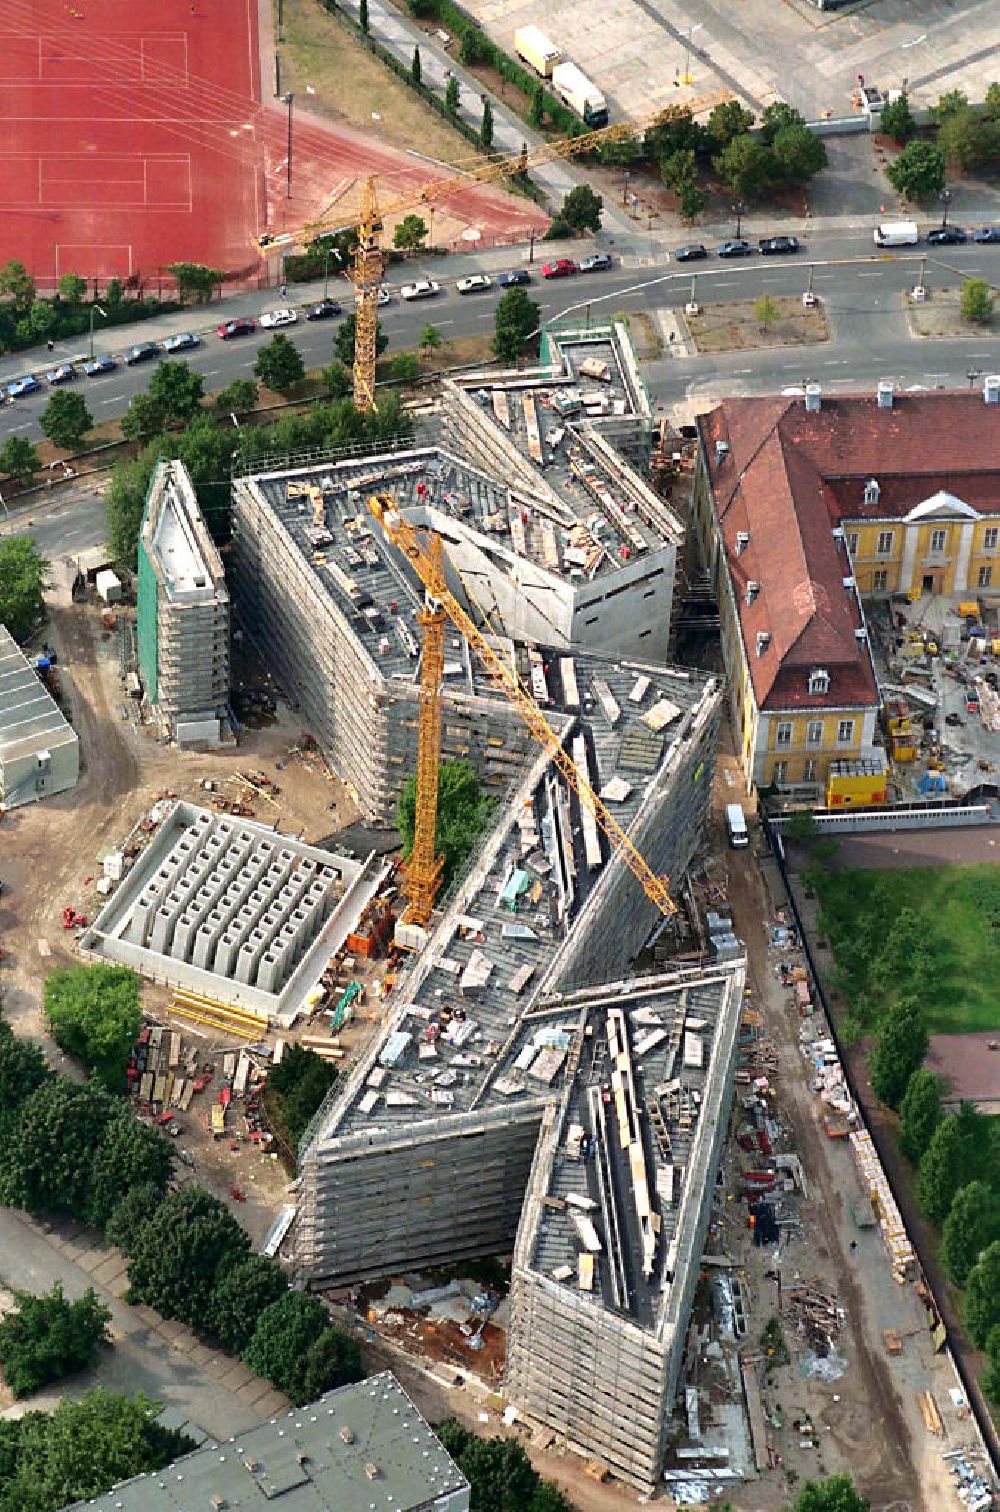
[964,552]
[910,535]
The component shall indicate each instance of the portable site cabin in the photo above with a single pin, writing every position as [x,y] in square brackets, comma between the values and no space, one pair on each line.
[39,752]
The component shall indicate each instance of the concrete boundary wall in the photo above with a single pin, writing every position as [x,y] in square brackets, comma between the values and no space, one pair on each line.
[860,822]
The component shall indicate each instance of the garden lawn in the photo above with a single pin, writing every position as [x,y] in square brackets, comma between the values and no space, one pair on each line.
[933,933]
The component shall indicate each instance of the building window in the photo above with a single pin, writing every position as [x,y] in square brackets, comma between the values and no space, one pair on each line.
[809,771]
[939,540]
[985,577]
[853,542]
[885,540]
[784,735]
[814,734]
[990,539]
[779,771]
[845,732]
[880,580]
[819,681]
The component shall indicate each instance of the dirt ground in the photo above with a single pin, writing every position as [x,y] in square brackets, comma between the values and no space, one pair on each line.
[940,315]
[734,326]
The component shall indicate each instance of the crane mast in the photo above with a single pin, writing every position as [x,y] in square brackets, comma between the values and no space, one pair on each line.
[423,867]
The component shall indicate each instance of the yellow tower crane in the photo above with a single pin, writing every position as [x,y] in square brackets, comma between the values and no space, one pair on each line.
[422,874]
[369,265]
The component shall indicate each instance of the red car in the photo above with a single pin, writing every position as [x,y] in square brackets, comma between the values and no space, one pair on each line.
[244,326]
[559,269]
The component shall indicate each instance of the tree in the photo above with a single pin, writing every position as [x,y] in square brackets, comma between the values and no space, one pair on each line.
[765,311]
[678,132]
[976,302]
[777,117]
[991,104]
[972,1224]
[363,15]
[279,365]
[179,1253]
[900,1046]
[242,1292]
[463,813]
[238,397]
[475,48]
[516,319]
[581,209]
[94,1014]
[17,282]
[339,380]
[23,572]
[130,1156]
[22,1069]
[177,390]
[72,288]
[798,154]
[969,138]
[49,1338]
[499,1472]
[961,1149]
[919,1114]
[66,419]
[691,200]
[343,342]
[18,458]
[430,337]
[195,278]
[130,1214]
[918,172]
[451,95]
[897,119]
[410,234]
[836,1494]
[990,1378]
[949,104]
[536,114]
[296,1087]
[405,367]
[680,167]
[414,66]
[727,122]
[982,1296]
[48,1164]
[289,1348]
[486,127]
[143,419]
[745,165]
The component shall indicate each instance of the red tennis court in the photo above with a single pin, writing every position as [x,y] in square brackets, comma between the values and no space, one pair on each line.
[135,136]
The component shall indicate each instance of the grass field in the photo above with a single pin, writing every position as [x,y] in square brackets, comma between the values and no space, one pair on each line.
[932,933]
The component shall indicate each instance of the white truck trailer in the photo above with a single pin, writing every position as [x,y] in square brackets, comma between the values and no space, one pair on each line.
[536,49]
[576,91]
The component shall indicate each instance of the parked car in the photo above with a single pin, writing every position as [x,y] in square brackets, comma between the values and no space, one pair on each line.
[323,310]
[384,297]
[243,326]
[64,373]
[141,352]
[987,234]
[18,387]
[515,277]
[424,288]
[947,236]
[272,319]
[691,252]
[772,246]
[561,268]
[476,283]
[737,247]
[597,262]
[182,342]
[98,365]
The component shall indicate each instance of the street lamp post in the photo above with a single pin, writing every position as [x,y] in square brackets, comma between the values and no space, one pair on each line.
[739,210]
[330,252]
[945,201]
[95,309]
[288,98]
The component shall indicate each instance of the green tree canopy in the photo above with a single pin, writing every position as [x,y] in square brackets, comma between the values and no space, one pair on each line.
[775,118]
[66,419]
[17,283]
[536,114]
[179,1253]
[486,126]
[462,816]
[918,172]
[972,1224]
[130,1156]
[963,1148]
[404,366]
[339,380]
[94,1014]
[727,122]
[415,66]
[49,1337]
[243,1290]
[410,233]
[982,1296]
[296,1087]
[72,288]
[343,342]
[798,154]
[452,95]
[899,1049]
[969,138]
[130,1214]
[836,1494]
[765,311]
[516,320]
[23,572]
[195,279]
[976,301]
[897,119]
[18,458]
[919,1114]
[745,164]
[500,1474]
[430,337]
[238,397]
[990,1378]
[143,420]
[581,209]
[295,1347]
[177,389]
[950,103]
[48,1165]
[22,1069]
[677,134]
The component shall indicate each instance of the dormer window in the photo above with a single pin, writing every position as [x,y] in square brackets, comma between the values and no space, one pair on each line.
[819,681]
[752,590]
[742,541]
[763,641]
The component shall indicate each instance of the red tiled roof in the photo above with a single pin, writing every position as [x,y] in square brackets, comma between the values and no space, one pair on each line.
[790,474]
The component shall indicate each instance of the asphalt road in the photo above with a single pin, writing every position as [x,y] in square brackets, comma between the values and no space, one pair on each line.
[860,291]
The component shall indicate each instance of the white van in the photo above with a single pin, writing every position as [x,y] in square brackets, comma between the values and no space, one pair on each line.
[897,234]
[736,826]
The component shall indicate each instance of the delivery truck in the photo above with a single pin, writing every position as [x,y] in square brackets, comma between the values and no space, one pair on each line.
[897,234]
[535,49]
[736,826]
[576,91]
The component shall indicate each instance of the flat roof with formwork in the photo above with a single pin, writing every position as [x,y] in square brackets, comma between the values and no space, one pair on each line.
[32,728]
[228,909]
[363,1448]
[177,539]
